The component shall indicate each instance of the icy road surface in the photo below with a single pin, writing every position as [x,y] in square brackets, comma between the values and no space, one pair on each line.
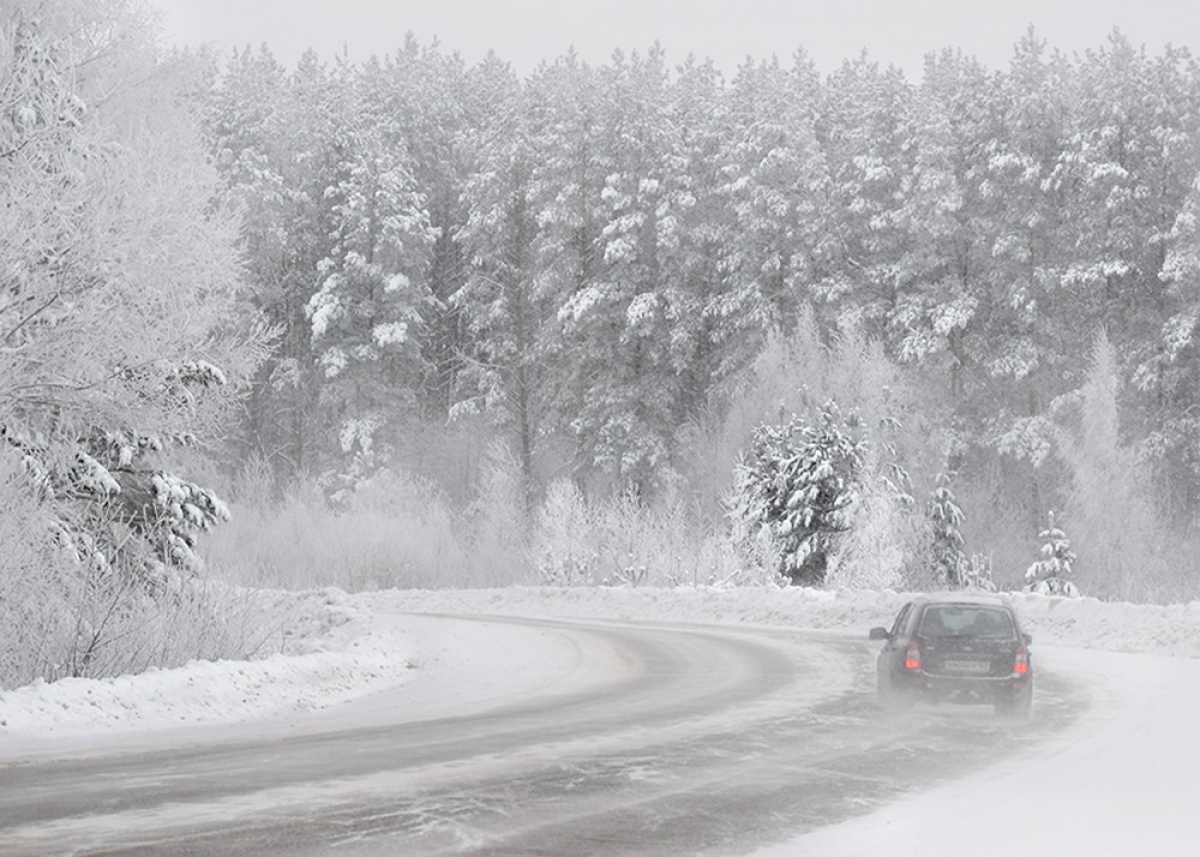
[566,738]
[1123,780]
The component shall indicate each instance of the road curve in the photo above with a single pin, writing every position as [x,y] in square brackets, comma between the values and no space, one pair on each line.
[652,739]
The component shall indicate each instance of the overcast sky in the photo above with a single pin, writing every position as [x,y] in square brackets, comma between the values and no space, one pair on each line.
[528,31]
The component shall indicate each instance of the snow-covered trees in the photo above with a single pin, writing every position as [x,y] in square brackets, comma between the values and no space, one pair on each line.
[775,187]
[119,275]
[797,487]
[118,281]
[597,257]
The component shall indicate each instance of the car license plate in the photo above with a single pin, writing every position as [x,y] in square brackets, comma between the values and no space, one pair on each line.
[967,667]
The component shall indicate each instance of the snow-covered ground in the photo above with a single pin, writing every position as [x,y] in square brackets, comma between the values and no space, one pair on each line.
[1139,663]
[364,650]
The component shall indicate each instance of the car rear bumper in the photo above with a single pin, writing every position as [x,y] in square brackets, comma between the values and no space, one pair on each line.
[967,688]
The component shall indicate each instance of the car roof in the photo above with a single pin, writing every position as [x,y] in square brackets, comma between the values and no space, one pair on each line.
[977,598]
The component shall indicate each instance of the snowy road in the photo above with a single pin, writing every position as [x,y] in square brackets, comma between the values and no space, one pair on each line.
[1121,780]
[625,739]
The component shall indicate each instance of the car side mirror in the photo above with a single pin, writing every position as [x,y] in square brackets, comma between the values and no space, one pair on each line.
[879,634]
[1028,639]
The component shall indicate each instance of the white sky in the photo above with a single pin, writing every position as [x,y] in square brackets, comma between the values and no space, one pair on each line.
[525,32]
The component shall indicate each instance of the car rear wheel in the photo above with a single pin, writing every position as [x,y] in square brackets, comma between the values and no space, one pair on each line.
[1016,706]
[892,697]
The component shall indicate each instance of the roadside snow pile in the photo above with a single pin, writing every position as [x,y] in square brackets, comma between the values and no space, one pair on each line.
[339,653]
[1112,626]
[1080,622]
[795,607]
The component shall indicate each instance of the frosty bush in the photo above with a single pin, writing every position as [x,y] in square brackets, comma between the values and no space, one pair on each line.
[620,541]
[877,549]
[395,530]
[72,615]
[498,523]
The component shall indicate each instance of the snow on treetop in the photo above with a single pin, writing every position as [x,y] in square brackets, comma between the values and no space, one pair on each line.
[391,333]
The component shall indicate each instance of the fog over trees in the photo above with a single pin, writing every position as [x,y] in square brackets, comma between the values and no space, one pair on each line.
[456,326]
[593,258]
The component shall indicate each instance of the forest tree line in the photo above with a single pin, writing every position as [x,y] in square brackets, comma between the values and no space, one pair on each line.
[590,259]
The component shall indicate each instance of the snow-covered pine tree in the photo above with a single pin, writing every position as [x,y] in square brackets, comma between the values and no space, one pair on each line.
[1174,365]
[699,223]
[798,484]
[271,135]
[776,191]
[945,517]
[623,325]
[367,314]
[504,372]
[570,162]
[433,101]
[1051,575]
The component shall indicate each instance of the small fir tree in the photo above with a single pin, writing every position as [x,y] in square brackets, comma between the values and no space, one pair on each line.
[978,573]
[1051,575]
[799,484]
[945,516]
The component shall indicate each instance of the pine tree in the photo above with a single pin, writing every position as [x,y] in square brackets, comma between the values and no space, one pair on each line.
[1051,575]
[265,142]
[366,316]
[432,102]
[950,563]
[628,418]
[508,321]
[776,191]
[571,161]
[696,113]
[798,485]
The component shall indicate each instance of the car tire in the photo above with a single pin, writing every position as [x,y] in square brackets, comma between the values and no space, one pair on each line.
[891,697]
[1018,706]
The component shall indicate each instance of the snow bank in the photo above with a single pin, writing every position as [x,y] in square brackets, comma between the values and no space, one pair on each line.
[342,653]
[1081,622]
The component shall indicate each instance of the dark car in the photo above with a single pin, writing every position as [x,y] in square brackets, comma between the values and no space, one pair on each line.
[956,648]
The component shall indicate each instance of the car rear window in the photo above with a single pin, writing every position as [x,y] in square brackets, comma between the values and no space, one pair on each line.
[966,620]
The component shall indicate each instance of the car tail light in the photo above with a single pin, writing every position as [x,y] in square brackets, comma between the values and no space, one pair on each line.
[1021,663]
[912,656]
